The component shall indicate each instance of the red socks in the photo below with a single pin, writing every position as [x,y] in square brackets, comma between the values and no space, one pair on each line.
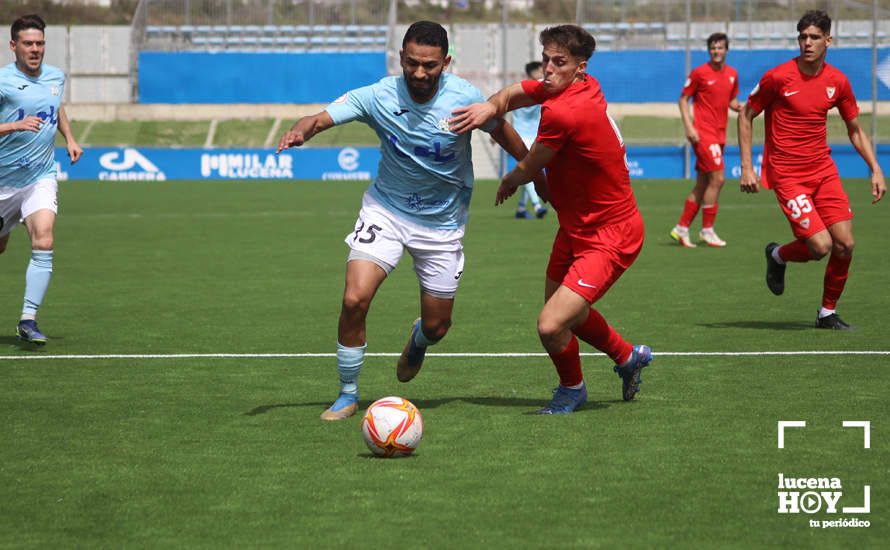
[835,279]
[597,332]
[690,209]
[568,364]
[795,251]
[708,213]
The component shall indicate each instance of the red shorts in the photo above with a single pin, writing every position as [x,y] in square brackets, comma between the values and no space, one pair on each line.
[709,155]
[814,205]
[590,263]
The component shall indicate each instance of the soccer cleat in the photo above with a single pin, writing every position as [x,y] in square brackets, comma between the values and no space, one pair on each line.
[412,357]
[711,238]
[565,400]
[775,272]
[27,331]
[344,407]
[832,322]
[540,211]
[523,215]
[682,237]
[630,371]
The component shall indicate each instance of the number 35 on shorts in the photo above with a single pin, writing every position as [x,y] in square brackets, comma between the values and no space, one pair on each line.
[799,205]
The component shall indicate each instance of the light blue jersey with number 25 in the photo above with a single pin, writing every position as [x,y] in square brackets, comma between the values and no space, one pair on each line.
[26,157]
[426,171]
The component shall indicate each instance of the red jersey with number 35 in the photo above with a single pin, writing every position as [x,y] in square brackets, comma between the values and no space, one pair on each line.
[588,177]
[711,92]
[796,145]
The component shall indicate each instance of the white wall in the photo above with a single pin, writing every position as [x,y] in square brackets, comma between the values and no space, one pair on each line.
[96,60]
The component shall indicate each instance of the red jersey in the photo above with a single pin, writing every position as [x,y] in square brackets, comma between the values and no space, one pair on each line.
[711,91]
[588,177]
[796,146]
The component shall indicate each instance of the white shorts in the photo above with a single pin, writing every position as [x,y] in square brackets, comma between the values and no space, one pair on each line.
[17,203]
[381,236]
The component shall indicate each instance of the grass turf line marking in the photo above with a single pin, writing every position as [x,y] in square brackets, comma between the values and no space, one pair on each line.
[314,355]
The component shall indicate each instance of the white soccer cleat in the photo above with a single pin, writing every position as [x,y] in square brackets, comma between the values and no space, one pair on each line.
[682,236]
[711,238]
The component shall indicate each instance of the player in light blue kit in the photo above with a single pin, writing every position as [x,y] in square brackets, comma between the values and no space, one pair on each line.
[30,113]
[525,122]
[418,202]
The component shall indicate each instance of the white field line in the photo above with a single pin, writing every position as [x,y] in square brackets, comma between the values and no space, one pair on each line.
[519,355]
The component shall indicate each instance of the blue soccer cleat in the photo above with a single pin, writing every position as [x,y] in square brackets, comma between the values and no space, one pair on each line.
[565,400]
[411,360]
[522,214]
[344,407]
[540,211]
[630,371]
[27,331]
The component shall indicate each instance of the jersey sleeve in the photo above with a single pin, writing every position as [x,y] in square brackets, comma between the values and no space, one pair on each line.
[691,85]
[353,105]
[763,93]
[554,128]
[846,101]
[535,90]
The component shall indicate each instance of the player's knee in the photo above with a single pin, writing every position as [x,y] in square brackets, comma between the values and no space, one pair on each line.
[548,329]
[843,248]
[437,330]
[355,304]
[42,242]
[820,249]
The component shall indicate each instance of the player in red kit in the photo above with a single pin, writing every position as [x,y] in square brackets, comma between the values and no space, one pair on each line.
[713,88]
[600,229]
[797,164]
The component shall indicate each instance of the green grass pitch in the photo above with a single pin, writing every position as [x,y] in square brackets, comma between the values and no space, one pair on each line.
[229,452]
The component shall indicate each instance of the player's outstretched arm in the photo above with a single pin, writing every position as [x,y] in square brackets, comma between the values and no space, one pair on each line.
[473,116]
[525,170]
[27,124]
[748,182]
[303,130]
[691,133]
[75,151]
[862,144]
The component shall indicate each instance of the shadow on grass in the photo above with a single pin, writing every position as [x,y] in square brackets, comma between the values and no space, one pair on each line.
[531,404]
[761,325]
[14,342]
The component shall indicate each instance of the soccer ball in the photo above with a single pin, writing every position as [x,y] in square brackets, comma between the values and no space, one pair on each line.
[392,426]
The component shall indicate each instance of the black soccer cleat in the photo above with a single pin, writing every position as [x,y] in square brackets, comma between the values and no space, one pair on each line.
[775,272]
[832,322]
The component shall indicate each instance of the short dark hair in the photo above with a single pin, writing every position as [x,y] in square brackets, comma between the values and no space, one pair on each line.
[576,40]
[32,21]
[532,66]
[718,37]
[427,33]
[815,18]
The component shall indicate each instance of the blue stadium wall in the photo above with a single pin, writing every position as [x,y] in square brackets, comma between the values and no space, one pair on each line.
[635,76]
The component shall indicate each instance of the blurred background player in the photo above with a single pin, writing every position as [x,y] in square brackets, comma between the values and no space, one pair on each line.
[600,229]
[525,122]
[797,163]
[713,88]
[31,111]
[419,201]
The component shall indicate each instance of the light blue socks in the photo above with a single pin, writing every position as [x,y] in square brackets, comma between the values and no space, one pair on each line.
[349,365]
[40,269]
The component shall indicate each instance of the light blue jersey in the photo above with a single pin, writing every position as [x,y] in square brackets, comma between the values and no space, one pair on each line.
[26,157]
[525,122]
[426,171]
